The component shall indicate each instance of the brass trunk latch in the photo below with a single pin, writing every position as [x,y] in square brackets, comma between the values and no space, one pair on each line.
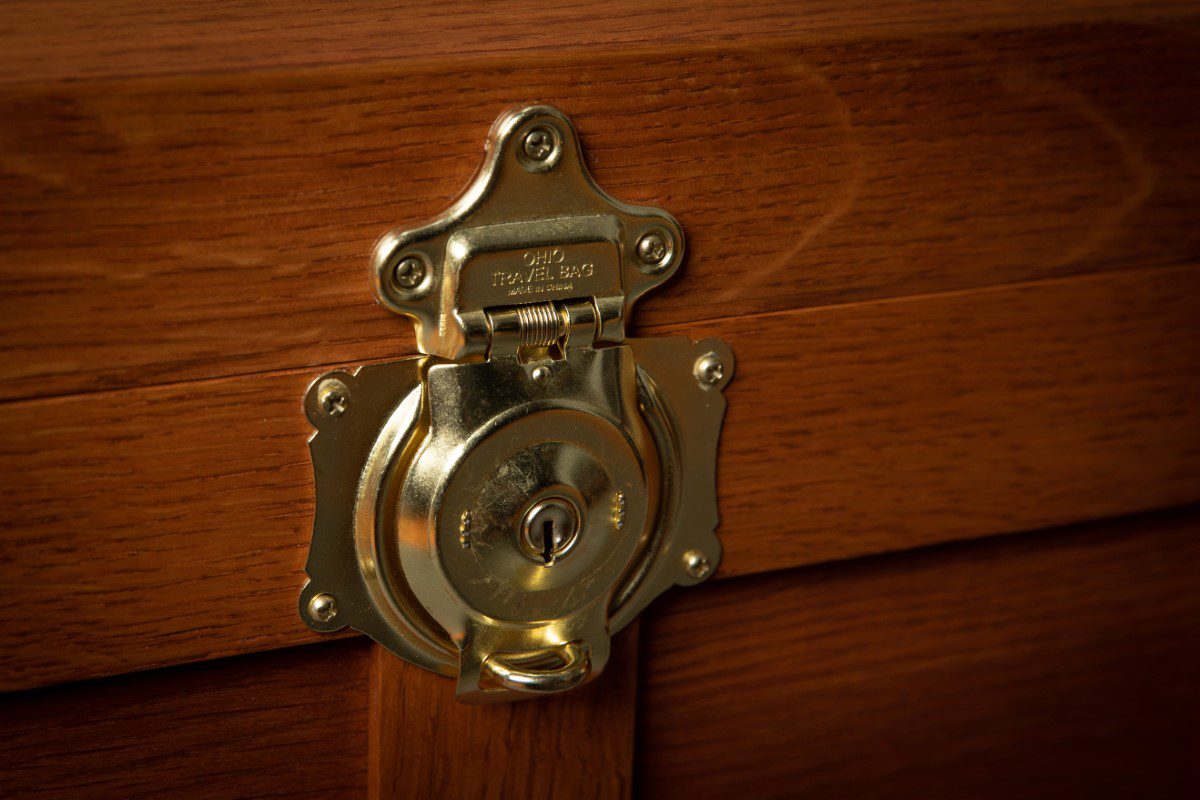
[499,506]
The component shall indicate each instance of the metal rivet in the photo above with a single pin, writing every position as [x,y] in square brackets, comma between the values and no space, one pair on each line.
[538,144]
[408,275]
[333,397]
[697,564]
[539,374]
[709,369]
[464,530]
[322,607]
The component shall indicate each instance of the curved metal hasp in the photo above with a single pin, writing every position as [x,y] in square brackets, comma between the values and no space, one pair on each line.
[532,227]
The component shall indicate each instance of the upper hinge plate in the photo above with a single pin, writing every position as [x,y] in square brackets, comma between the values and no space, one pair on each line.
[532,230]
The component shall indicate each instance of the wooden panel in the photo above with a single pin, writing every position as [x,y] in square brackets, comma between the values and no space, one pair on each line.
[80,40]
[426,744]
[231,214]
[1058,666]
[285,724]
[884,426]
[170,524]
[344,719]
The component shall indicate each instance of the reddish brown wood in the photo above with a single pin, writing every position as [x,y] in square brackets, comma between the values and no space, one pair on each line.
[79,40]
[206,225]
[992,209]
[344,719]
[882,426]
[286,724]
[169,524]
[426,744]
[1061,665]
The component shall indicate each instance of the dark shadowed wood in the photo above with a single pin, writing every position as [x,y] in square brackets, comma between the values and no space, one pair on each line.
[1061,665]
[148,527]
[316,722]
[196,226]
[287,724]
[74,40]
[579,745]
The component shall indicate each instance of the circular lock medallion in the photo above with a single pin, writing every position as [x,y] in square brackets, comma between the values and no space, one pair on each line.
[568,467]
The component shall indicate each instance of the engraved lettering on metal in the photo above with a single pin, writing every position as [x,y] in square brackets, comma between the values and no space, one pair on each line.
[541,273]
[496,508]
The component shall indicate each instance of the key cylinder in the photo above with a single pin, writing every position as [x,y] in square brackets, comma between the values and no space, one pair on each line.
[549,529]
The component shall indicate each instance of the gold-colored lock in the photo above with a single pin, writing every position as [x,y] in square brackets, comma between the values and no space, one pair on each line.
[499,506]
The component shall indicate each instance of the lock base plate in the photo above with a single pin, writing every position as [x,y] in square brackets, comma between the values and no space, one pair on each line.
[426,475]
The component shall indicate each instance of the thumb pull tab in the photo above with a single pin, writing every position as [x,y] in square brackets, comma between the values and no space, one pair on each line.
[523,672]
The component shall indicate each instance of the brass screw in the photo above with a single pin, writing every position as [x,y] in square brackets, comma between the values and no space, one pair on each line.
[653,248]
[333,397]
[709,369]
[409,272]
[322,607]
[538,144]
[697,564]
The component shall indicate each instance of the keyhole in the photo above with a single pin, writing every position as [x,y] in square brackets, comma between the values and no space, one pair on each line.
[549,529]
[548,541]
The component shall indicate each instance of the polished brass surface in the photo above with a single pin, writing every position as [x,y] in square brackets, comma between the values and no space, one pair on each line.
[500,506]
[526,230]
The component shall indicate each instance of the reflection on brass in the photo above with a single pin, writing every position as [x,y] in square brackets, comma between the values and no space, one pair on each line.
[497,507]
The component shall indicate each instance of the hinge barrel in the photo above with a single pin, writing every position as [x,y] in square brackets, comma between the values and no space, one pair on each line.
[542,330]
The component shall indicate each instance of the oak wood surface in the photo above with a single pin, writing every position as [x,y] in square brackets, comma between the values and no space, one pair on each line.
[578,745]
[954,249]
[1058,665]
[231,213]
[291,723]
[338,720]
[169,524]
[84,39]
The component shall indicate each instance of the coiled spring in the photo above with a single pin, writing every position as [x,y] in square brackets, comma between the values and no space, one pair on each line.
[541,324]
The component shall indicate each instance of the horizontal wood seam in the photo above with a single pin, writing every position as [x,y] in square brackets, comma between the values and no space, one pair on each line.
[1148,518]
[883,428]
[636,332]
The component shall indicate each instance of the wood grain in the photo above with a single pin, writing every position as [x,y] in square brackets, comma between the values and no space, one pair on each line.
[76,40]
[955,250]
[344,719]
[579,745]
[883,426]
[292,723]
[231,213]
[160,525]
[1061,665]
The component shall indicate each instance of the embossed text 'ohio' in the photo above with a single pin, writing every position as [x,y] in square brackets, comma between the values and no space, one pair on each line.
[542,266]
